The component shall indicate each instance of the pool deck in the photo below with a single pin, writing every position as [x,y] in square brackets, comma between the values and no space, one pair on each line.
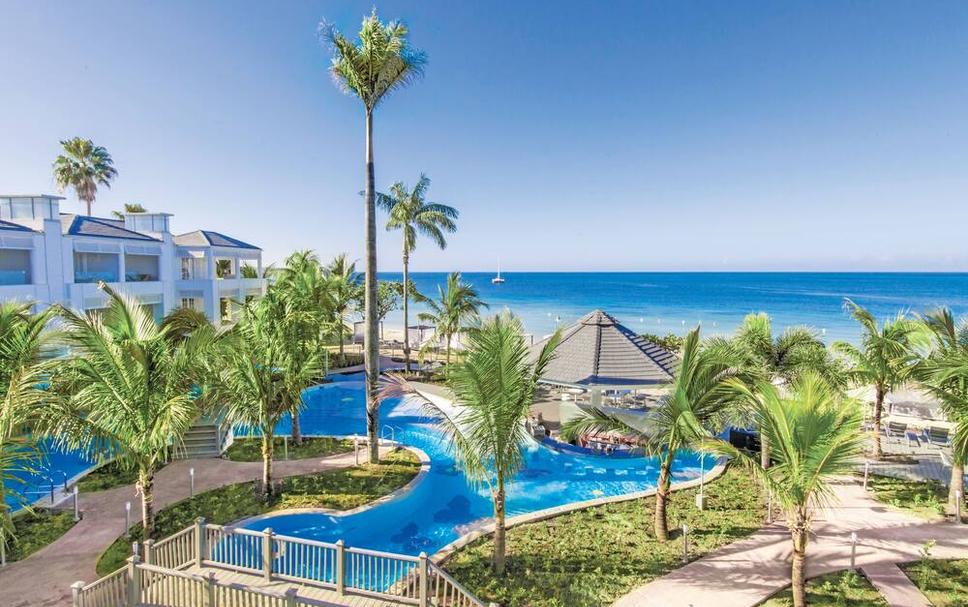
[44,578]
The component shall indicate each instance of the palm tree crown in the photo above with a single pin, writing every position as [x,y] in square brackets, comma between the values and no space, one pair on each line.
[883,359]
[83,166]
[455,306]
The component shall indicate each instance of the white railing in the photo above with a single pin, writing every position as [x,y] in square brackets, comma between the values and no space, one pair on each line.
[349,571]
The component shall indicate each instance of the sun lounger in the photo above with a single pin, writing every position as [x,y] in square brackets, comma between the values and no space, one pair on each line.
[938,436]
[896,430]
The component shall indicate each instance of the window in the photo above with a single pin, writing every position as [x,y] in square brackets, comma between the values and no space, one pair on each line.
[92,267]
[140,268]
[14,267]
[188,303]
[225,309]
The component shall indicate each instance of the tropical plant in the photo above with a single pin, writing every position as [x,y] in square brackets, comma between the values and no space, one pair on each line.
[815,433]
[23,338]
[83,166]
[938,372]
[223,268]
[344,289]
[493,391]
[782,358]
[382,61]
[454,308]
[130,389]
[695,405]
[261,373]
[883,360]
[308,322]
[413,215]
[129,207]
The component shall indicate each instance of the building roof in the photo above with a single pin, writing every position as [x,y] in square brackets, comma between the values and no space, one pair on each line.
[9,225]
[599,351]
[82,225]
[208,238]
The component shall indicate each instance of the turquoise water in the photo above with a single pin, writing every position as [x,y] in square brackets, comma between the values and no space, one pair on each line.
[442,506]
[662,302]
[53,469]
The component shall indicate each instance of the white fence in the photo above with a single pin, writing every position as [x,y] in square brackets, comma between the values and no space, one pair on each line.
[161,580]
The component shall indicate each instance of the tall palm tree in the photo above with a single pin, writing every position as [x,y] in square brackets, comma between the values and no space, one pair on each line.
[938,373]
[412,214]
[83,166]
[782,358]
[454,308]
[344,287]
[23,337]
[129,389]
[381,62]
[493,391]
[693,408]
[816,436]
[882,360]
[130,207]
[260,376]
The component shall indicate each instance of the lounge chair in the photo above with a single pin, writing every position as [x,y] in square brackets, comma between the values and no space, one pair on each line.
[938,436]
[896,430]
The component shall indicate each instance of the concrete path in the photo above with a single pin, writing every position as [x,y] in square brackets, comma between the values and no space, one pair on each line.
[44,578]
[895,586]
[746,572]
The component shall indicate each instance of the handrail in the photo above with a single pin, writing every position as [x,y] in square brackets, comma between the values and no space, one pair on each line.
[347,570]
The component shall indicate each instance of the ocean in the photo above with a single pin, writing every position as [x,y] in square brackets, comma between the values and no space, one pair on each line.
[675,302]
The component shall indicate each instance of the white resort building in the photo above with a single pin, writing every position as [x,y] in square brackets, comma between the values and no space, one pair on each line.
[51,257]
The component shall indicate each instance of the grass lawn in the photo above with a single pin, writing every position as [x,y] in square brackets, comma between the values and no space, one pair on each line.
[923,498]
[342,489]
[839,589]
[945,583]
[250,449]
[593,556]
[35,530]
[108,476]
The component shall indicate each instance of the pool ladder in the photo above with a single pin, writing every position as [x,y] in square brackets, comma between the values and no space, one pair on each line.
[392,429]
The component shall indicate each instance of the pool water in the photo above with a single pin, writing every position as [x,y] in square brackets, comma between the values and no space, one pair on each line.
[443,506]
[55,467]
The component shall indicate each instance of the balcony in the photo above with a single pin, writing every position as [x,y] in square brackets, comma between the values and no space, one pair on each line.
[95,267]
[14,267]
[91,277]
[14,277]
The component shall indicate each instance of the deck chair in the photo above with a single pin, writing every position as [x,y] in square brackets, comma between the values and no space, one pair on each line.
[938,436]
[896,430]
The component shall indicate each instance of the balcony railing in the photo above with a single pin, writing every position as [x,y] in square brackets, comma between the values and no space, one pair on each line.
[139,277]
[86,277]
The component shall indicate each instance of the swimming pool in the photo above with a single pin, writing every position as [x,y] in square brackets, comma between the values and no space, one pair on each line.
[55,468]
[442,506]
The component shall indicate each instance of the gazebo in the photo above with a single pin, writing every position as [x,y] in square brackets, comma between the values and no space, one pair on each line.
[598,353]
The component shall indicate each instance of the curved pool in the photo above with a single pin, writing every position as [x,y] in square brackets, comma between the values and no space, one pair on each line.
[442,506]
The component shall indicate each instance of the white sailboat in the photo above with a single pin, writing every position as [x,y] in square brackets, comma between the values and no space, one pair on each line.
[497,280]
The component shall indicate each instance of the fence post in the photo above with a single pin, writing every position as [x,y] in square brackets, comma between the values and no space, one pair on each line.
[340,568]
[76,588]
[423,580]
[134,581]
[291,597]
[149,552]
[267,553]
[200,548]
[210,589]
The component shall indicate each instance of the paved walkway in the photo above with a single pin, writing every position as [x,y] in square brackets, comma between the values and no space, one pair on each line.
[744,573]
[44,578]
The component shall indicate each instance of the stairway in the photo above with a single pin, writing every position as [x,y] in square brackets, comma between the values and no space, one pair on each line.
[204,439]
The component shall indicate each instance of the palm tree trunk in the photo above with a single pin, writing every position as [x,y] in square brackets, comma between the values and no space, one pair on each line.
[406,309]
[267,444]
[957,485]
[146,483]
[798,582]
[88,203]
[662,495]
[878,411]
[296,427]
[500,531]
[764,451]
[448,338]
[371,344]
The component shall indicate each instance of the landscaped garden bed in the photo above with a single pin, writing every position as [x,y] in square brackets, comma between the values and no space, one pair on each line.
[945,583]
[593,556]
[840,589]
[342,489]
[34,530]
[250,449]
[926,498]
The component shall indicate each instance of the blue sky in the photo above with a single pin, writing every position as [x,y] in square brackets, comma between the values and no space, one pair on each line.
[572,136]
